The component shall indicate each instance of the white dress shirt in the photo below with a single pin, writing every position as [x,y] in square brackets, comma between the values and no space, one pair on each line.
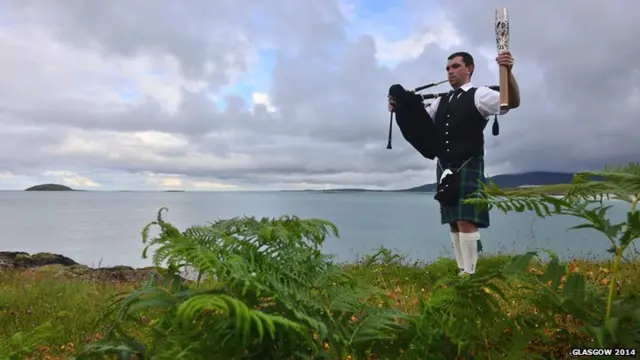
[487,102]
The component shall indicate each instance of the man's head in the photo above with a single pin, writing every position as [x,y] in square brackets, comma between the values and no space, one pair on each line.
[460,67]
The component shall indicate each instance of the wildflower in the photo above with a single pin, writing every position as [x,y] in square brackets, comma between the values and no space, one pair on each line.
[573,267]
[604,281]
[354,318]
[327,346]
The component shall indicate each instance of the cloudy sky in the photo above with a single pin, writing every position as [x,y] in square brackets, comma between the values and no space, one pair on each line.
[291,94]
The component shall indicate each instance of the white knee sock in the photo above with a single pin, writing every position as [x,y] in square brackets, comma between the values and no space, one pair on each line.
[469,245]
[457,250]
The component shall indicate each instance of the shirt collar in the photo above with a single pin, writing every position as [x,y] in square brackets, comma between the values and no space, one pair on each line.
[466,86]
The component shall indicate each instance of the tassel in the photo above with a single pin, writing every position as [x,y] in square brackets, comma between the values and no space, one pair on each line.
[496,126]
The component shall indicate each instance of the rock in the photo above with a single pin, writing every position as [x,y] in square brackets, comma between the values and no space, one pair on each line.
[63,267]
[18,259]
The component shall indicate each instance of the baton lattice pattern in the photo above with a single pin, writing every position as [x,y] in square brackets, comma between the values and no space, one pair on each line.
[502,36]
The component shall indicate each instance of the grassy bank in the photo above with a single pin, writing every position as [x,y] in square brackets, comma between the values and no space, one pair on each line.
[75,306]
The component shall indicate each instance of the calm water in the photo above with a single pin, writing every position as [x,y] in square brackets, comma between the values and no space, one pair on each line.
[104,227]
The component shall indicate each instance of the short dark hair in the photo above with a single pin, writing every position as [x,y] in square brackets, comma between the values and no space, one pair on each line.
[467,59]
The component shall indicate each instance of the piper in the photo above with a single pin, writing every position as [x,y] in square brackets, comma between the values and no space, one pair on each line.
[451,129]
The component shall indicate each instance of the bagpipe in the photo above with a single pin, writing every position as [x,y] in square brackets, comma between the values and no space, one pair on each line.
[411,115]
[412,118]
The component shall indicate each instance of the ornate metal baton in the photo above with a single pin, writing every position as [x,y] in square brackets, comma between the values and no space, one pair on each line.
[502,42]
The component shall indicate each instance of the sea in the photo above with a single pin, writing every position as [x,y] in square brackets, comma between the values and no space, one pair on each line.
[100,228]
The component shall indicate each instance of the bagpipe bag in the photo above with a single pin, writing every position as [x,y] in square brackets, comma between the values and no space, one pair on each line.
[414,122]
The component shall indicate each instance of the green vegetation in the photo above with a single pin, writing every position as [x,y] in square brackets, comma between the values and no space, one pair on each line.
[49,187]
[557,189]
[264,290]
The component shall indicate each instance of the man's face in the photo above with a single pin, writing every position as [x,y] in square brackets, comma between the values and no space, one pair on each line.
[458,74]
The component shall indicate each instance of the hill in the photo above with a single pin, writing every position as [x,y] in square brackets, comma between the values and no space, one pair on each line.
[548,179]
[513,180]
[49,187]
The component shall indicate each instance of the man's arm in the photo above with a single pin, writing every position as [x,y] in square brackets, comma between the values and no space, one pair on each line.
[488,100]
[514,91]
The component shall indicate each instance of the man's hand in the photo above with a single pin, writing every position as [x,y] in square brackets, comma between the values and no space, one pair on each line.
[505,59]
[392,106]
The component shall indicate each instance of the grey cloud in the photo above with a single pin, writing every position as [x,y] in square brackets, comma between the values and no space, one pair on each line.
[573,60]
[195,34]
[580,119]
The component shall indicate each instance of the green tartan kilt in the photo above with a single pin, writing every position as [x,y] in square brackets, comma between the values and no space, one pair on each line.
[470,175]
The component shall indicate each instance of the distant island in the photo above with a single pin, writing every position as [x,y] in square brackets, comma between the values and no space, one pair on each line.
[549,182]
[49,187]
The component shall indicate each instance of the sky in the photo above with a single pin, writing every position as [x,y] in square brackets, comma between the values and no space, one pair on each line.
[291,94]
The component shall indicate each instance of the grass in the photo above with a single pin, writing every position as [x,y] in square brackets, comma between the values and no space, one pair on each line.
[31,298]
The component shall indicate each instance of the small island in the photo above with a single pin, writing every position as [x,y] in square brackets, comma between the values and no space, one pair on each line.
[49,187]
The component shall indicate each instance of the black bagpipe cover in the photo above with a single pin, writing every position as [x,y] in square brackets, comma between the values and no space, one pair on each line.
[414,122]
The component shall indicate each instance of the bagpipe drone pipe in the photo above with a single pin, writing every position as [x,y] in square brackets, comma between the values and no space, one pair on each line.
[414,122]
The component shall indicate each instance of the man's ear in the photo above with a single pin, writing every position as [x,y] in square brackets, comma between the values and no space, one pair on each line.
[470,68]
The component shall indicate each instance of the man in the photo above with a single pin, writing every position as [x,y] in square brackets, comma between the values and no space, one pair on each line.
[460,119]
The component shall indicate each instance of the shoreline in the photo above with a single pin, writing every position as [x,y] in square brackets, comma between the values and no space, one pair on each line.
[66,267]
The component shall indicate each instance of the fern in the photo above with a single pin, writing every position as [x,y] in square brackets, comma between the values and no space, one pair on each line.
[21,344]
[584,200]
[265,290]
[270,293]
